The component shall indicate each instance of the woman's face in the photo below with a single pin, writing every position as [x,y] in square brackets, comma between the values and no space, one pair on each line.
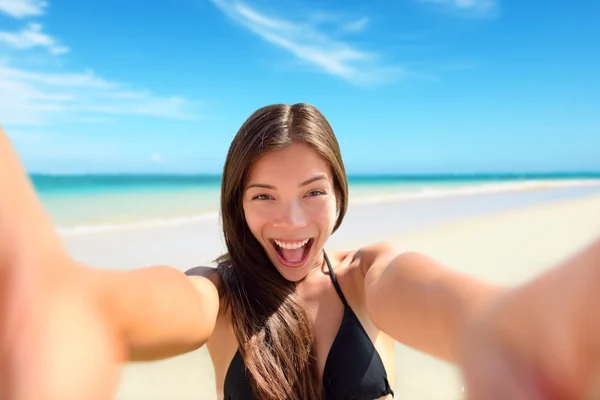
[290,207]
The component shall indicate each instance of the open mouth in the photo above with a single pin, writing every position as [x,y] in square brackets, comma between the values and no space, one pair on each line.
[292,253]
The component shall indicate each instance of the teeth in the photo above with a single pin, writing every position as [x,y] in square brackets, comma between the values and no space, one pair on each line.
[291,245]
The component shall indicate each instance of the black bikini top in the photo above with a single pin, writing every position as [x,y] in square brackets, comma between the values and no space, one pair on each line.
[353,369]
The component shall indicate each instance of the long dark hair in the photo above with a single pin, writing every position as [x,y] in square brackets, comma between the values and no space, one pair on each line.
[271,326]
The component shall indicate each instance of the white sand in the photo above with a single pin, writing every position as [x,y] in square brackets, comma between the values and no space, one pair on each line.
[500,241]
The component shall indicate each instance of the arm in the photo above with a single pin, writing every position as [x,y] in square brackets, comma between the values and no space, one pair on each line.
[155,312]
[571,289]
[158,311]
[26,231]
[541,339]
[420,302]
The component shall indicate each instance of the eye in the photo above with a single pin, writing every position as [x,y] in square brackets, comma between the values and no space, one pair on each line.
[261,197]
[315,193]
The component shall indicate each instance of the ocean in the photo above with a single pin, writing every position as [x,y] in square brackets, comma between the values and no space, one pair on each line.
[85,203]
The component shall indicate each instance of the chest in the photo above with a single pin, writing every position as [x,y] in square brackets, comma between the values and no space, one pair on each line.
[334,314]
[326,312]
[348,359]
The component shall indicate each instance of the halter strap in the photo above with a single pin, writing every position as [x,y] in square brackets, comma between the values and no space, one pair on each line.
[338,289]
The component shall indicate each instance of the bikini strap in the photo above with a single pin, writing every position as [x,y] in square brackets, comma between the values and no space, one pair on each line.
[338,289]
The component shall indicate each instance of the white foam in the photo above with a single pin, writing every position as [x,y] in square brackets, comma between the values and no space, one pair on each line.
[466,190]
[137,225]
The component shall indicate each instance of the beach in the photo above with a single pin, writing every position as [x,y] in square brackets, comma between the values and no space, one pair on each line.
[504,236]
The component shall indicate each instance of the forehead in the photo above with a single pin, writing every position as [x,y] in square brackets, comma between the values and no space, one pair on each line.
[295,163]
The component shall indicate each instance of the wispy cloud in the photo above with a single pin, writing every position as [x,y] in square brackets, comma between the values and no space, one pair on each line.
[28,98]
[468,8]
[312,45]
[22,8]
[33,97]
[30,37]
[356,25]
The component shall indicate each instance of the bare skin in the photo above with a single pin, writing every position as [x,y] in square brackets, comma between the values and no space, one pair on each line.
[325,310]
[128,315]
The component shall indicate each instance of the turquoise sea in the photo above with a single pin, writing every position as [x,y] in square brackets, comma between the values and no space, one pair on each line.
[79,203]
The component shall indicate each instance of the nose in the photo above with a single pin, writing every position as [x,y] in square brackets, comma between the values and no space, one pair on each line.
[291,215]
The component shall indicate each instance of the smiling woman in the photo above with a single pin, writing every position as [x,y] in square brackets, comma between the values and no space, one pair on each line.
[283,170]
[282,318]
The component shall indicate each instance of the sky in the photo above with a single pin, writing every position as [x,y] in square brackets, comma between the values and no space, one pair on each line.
[409,86]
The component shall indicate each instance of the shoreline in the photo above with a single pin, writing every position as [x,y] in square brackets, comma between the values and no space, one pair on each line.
[393,194]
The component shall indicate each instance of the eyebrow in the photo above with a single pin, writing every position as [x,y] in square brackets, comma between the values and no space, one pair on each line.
[315,178]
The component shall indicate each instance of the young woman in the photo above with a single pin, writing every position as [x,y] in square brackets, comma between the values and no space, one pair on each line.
[282,317]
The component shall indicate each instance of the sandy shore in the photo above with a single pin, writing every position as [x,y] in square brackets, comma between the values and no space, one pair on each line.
[505,238]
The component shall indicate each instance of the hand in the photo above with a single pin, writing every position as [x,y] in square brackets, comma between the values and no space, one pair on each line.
[532,344]
[55,343]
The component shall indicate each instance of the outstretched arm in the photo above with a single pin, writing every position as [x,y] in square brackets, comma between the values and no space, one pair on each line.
[26,231]
[157,310]
[64,327]
[536,340]
[542,339]
[420,302]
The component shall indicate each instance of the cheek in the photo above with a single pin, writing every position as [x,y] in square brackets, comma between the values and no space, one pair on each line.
[326,215]
[258,217]
[253,220]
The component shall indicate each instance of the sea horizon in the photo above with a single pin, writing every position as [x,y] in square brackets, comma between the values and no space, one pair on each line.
[496,174]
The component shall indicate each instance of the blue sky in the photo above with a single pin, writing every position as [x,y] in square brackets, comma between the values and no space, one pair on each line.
[408,85]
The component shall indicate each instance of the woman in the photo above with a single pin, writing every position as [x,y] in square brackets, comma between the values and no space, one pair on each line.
[282,317]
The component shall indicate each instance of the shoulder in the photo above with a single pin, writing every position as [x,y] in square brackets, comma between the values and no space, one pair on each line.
[356,266]
[373,261]
[358,262]
[370,262]
[201,274]
[376,254]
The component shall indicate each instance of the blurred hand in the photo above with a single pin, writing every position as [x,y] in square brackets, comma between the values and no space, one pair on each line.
[54,343]
[532,343]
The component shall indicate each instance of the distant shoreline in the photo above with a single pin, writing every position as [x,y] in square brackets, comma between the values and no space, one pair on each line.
[360,195]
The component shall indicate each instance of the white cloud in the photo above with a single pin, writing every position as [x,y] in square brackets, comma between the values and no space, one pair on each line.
[73,80]
[22,8]
[356,26]
[31,37]
[34,97]
[312,45]
[469,8]
[30,98]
